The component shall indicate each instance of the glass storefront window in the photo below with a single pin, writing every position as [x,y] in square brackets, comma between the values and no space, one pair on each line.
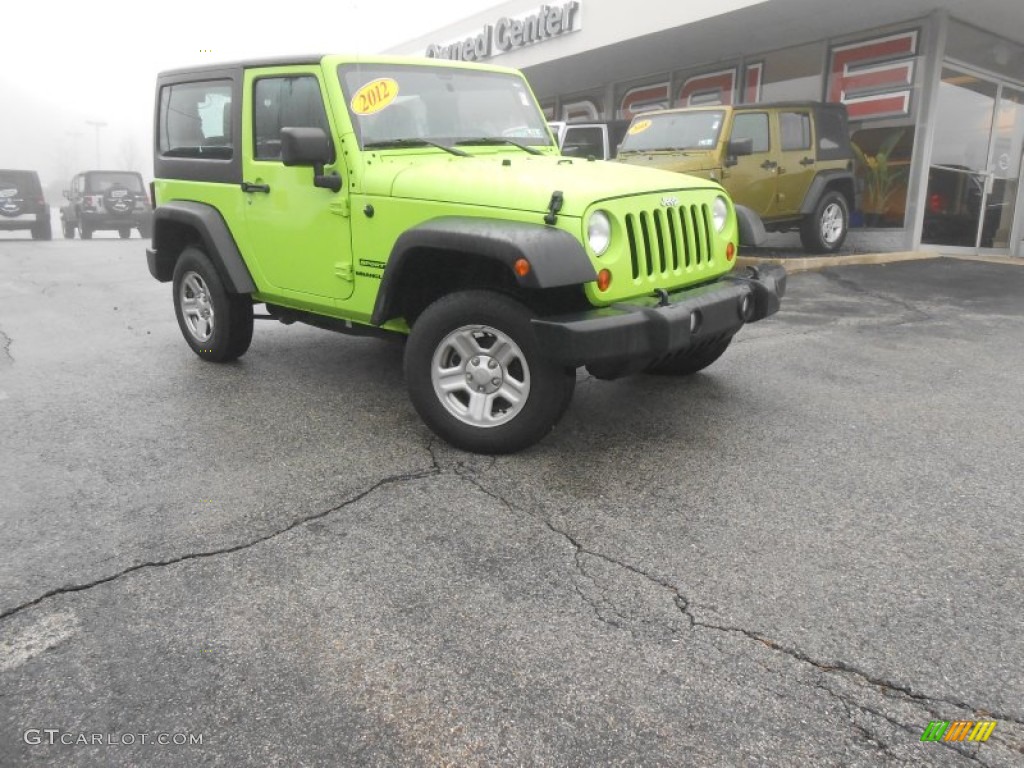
[883,171]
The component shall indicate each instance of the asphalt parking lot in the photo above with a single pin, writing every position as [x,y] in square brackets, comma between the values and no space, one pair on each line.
[799,557]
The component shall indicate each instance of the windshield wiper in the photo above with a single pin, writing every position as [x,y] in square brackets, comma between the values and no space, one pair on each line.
[496,140]
[399,143]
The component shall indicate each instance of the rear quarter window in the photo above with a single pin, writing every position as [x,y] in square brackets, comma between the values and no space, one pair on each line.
[195,120]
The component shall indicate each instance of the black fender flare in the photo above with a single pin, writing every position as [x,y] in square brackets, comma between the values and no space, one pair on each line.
[556,258]
[817,189]
[751,227]
[214,236]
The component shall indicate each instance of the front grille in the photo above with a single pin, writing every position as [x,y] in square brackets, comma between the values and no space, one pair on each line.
[669,241]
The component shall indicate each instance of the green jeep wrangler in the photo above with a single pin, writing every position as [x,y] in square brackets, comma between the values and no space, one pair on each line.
[398,197]
[786,165]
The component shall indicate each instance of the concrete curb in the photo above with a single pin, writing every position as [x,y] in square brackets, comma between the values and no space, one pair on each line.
[810,263]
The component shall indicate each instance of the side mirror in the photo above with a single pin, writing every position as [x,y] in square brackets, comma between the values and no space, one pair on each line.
[310,147]
[738,148]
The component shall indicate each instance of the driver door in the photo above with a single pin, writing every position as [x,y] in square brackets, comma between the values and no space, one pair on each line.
[752,181]
[299,234]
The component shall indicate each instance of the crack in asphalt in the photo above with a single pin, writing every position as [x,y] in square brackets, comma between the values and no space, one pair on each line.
[682,603]
[434,471]
[913,730]
[855,287]
[5,344]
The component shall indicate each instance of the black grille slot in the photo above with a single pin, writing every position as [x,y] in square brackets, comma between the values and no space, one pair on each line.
[665,240]
[631,235]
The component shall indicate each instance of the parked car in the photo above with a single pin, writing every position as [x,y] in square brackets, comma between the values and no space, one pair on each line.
[106,200]
[599,140]
[22,205]
[391,196]
[787,166]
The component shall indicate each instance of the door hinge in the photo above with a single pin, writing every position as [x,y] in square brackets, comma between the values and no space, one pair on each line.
[339,207]
[343,270]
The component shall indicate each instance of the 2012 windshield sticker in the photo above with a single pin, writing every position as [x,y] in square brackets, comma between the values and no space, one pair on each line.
[374,96]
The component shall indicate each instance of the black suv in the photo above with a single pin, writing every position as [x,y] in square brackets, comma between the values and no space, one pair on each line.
[115,200]
[22,205]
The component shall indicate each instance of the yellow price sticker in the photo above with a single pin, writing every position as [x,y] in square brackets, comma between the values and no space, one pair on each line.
[374,96]
[639,127]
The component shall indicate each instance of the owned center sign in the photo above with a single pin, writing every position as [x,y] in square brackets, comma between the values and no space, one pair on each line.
[510,34]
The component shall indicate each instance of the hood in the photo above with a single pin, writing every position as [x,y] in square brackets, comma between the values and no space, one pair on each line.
[699,163]
[515,181]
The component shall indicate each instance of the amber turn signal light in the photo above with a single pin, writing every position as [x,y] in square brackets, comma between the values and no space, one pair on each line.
[522,267]
[604,279]
[730,251]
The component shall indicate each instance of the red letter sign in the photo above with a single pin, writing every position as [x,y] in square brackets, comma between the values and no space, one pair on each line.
[874,78]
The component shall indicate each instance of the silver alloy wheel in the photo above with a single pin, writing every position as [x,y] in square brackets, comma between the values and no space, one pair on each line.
[196,306]
[832,223]
[480,375]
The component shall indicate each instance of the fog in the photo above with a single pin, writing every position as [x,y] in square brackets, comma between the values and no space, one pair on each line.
[68,66]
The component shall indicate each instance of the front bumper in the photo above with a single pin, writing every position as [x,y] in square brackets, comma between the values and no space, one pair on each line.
[623,334]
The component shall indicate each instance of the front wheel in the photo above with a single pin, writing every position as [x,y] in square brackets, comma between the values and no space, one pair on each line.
[85,232]
[69,230]
[691,361]
[825,229]
[215,323]
[476,376]
[124,233]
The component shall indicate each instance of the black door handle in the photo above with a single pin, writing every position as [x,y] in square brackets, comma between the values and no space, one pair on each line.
[247,187]
[807,161]
[769,165]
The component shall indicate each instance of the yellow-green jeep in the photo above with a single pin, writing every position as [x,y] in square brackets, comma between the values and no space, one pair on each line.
[786,165]
[401,197]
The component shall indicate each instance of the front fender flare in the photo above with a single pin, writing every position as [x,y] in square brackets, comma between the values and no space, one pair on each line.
[556,258]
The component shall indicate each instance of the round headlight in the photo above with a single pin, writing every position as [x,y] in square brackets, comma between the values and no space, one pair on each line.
[719,213]
[599,232]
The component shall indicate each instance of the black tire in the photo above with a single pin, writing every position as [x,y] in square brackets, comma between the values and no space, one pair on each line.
[124,233]
[84,232]
[145,232]
[69,230]
[691,360]
[42,231]
[230,315]
[480,319]
[824,231]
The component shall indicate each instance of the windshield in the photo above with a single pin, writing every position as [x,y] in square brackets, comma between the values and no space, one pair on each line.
[391,102]
[673,130]
[101,182]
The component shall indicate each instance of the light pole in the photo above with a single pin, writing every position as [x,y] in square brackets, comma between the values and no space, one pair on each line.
[97,124]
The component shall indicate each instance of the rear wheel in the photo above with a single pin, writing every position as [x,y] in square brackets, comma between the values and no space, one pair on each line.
[692,360]
[69,230]
[124,233]
[476,375]
[215,323]
[85,232]
[825,229]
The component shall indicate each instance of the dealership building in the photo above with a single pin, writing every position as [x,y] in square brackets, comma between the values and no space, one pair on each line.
[934,89]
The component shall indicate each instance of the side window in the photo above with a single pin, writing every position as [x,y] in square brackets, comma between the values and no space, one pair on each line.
[754,126]
[583,142]
[795,128]
[195,120]
[285,102]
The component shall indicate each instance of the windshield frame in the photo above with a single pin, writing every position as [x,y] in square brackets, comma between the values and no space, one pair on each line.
[540,134]
[707,143]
